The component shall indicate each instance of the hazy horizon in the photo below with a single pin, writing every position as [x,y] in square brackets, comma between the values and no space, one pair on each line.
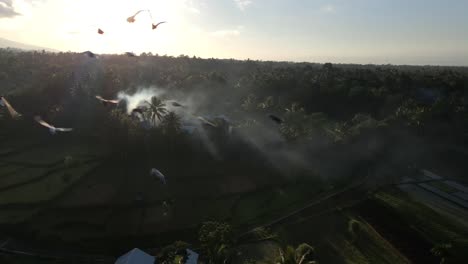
[362,32]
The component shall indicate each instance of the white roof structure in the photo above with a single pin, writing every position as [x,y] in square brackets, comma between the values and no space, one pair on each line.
[135,256]
[192,257]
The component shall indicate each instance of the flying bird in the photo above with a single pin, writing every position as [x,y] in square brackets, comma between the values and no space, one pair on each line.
[53,130]
[207,121]
[176,104]
[131,19]
[156,173]
[99,31]
[155,26]
[89,54]
[275,119]
[11,110]
[107,102]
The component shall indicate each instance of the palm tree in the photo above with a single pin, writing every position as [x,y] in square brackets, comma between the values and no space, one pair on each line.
[171,123]
[296,123]
[249,102]
[295,108]
[303,254]
[267,104]
[156,108]
[441,251]
[216,241]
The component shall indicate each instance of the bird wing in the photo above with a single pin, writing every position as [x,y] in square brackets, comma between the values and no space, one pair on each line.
[10,108]
[157,173]
[43,123]
[106,100]
[276,119]
[138,12]
[156,25]
[207,122]
[61,129]
[176,104]
[131,19]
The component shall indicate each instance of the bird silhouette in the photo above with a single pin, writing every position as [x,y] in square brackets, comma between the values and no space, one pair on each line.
[276,119]
[132,19]
[155,26]
[176,104]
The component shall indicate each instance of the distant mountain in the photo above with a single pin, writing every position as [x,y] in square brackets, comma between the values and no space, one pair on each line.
[5,43]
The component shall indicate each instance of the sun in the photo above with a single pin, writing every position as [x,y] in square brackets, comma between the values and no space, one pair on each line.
[119,35]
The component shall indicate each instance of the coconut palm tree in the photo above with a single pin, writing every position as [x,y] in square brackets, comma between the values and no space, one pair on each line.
[249,102]
[441,251]
[216,241]
[156,108]
[303,254]
[296,123]
[171,123]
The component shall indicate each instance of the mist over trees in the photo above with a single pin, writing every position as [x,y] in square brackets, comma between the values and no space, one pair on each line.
[322,106]
[276,122]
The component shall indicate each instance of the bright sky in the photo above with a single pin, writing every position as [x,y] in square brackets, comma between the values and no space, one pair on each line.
[348,31]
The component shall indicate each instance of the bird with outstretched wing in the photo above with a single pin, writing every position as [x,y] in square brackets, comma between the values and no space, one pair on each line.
[107,102]
[155,26]
[51,128]
[176,104]
[156,173]
[131,19]
[206,121]
[11,110]
[276,119]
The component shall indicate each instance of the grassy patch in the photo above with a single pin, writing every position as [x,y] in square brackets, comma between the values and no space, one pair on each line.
[372,245]
[19,175]
[13,216]
[443,187]
[429,223]
[46,188]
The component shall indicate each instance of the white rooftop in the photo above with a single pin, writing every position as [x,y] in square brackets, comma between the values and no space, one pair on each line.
[135,256]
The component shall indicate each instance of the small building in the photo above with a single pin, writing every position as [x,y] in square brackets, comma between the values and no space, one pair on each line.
[192,257]
[136,256]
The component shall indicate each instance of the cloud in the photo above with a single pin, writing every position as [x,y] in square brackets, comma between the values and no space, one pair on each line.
[192,6]
[228,32]
[243,4]
[328,8]
[6,9]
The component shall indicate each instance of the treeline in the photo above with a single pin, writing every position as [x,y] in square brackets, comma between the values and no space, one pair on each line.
[323,103]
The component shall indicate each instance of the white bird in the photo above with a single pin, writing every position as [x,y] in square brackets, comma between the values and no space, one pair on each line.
[206,121]
[156,173]
[51,128]
[106,102]
[11,110]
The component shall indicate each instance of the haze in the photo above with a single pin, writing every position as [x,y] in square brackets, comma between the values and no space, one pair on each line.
[361,31]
